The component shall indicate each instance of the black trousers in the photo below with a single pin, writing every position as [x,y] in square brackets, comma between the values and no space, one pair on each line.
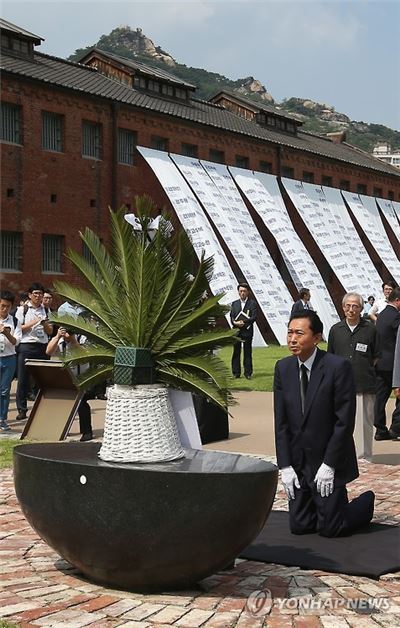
[85,414]
[329,516]
[383,392]
[27,351]
[247,357]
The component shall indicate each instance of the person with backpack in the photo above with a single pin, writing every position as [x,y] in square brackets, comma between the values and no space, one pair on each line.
[36,331]
[10,336]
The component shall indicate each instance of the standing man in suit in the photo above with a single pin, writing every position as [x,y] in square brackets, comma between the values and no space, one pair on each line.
[387,326]
[315,404]
[245,330]
[303,302]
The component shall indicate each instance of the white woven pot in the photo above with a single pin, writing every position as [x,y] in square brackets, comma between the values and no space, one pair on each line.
[140,425]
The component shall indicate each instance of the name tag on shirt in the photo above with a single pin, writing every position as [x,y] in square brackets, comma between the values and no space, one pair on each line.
[361,347]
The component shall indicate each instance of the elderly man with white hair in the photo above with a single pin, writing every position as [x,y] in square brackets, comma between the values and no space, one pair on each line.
[355,338]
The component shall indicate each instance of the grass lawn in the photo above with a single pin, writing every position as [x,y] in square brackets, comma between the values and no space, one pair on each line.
[6,452]
[264,359]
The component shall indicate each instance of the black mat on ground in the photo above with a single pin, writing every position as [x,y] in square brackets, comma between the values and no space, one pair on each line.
[372,551]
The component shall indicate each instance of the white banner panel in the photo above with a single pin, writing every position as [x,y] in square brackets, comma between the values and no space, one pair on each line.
[196,225]
[236,236]
[333,246]
[263,193]
[396,207]
[389,211]
[240,232]
[366,213]
[369,281]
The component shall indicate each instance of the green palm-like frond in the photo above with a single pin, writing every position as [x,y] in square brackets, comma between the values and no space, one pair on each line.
[140,294]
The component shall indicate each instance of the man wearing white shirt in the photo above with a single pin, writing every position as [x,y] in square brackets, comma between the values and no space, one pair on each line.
[10,336]
[380,304]
[36,331]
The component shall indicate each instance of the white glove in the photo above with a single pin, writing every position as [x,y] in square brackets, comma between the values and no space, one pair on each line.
[325,479]
[289,480]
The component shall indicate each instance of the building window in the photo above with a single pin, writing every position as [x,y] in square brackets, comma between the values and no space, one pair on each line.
[154,86]
[391,195]
[53,198]
[10,192]
[378,192]
[11,123]
[190,150]
[139,82]
[52,131]
[11,250]
[361,188]
[326,181]
[52,253]
[288,172]
[344,184]
[126,146]
[87,254]
[159,143]
[91,140]
[241,161]
[217,155]
[308,177]
[167,90]
[92,202]
[265,166]
[181,93]
[271,121]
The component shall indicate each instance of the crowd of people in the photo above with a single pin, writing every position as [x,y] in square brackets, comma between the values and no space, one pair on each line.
[26,333]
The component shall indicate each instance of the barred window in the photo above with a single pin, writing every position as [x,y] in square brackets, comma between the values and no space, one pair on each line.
[87,254]
[241,161]
[159,143]
[126,146]
[326,180]
[217,155]
[91,140]
[52,131]
[361,188]
[190,150]
[288,172]
[265,166]
[11,127]
[308,177]
[52,253]
[11,250]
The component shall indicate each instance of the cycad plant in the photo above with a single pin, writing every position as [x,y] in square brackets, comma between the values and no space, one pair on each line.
[141,294]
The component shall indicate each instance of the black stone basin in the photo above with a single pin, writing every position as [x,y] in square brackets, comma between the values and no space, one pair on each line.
[143,527]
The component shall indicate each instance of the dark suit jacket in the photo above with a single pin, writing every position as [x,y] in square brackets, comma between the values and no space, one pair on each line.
[325,432]
[250,309]
[298,306]
[387,326]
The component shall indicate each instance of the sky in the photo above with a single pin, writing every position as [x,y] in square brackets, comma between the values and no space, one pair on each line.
[345,54]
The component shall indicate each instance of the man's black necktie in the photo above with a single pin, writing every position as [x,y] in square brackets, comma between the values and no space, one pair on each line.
[303,385]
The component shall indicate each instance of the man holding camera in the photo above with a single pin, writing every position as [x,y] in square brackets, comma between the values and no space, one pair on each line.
[36,331]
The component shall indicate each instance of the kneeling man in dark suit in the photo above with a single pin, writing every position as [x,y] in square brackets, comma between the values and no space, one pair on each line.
[314,405]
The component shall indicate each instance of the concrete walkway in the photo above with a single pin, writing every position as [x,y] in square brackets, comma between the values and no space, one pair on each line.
[38,588]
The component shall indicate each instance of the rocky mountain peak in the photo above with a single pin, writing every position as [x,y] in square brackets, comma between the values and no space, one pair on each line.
[136,42]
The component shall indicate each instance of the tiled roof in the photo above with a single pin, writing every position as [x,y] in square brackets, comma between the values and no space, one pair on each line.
[12,28]
[73,76]
[254,105]
[140,67]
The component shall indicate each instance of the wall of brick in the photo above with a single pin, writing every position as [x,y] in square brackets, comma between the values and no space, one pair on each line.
[84,187]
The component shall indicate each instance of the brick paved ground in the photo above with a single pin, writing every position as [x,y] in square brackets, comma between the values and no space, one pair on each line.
[40,589]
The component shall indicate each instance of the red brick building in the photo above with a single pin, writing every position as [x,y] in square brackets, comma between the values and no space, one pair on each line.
[68,139]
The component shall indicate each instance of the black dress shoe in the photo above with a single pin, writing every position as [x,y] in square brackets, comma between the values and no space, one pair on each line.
[248,376]
[382,435]
[21,416]
[236,376]
[394,435]
[85,437]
